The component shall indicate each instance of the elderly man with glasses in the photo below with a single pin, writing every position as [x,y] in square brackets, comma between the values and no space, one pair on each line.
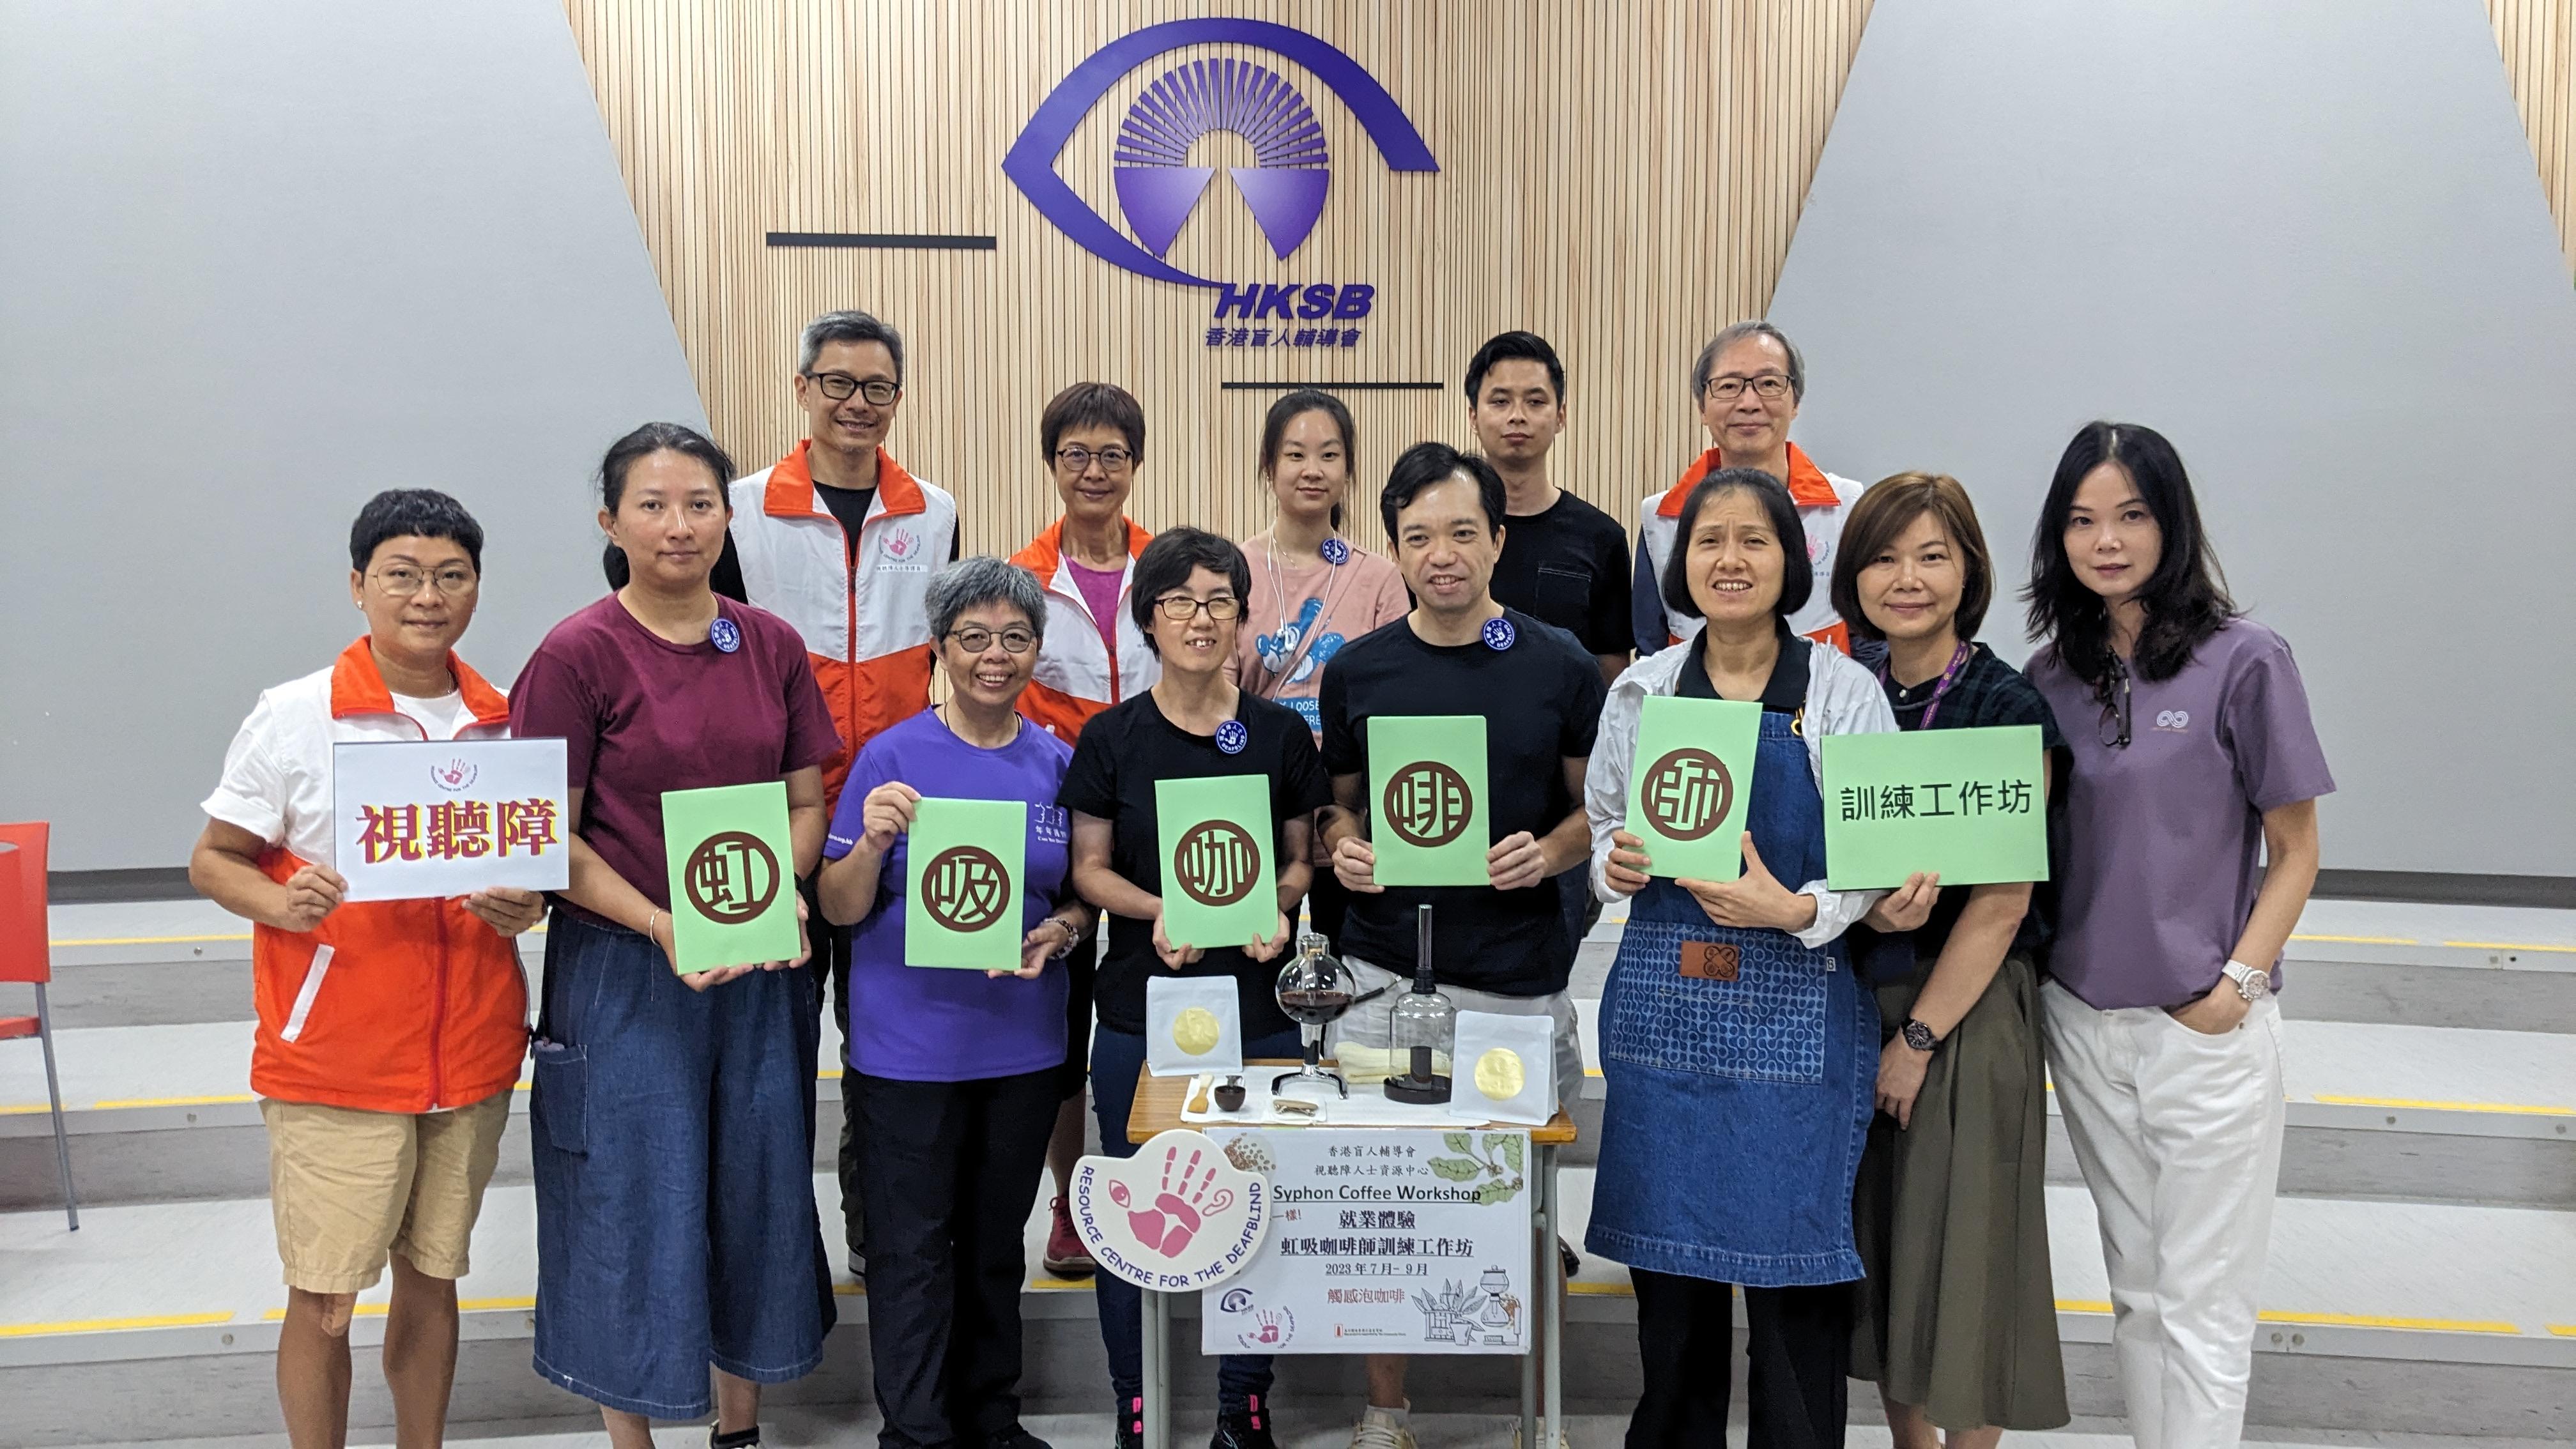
[1747,385]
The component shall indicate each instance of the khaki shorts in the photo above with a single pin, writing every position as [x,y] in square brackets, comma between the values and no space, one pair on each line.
[1363,1038]
[348,1187]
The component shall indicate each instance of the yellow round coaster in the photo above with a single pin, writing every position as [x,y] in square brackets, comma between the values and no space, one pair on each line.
[1498,1073]
[1195,1030]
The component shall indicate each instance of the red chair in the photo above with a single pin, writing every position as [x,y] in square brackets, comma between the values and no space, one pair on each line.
[26,955]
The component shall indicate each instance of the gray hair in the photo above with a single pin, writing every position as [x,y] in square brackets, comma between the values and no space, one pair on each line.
[984,579]
[1737,333]
[852,326]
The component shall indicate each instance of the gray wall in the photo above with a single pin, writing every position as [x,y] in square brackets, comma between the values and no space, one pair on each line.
[2306,241]
[264,260]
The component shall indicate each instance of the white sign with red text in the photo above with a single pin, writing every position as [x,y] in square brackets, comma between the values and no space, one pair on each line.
[413,819]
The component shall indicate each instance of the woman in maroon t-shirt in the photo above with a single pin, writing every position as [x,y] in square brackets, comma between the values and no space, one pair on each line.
[673,1121]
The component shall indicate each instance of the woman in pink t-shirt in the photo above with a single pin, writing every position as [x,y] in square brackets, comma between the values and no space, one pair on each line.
[1312,592]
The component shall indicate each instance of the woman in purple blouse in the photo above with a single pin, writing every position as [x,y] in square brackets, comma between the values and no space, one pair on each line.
[2194,761]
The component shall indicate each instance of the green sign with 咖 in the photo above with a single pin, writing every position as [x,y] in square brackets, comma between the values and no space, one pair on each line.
[1219,885]
[1970,805]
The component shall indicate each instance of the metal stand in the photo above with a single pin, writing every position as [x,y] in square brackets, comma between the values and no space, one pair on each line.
[1158,1363]
[1545,1362]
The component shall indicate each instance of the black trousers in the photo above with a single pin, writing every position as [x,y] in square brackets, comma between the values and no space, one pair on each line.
[831,964]
[949,1172]
[1797,1396]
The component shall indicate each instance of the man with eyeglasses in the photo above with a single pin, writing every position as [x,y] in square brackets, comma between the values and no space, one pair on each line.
[1747,385]
[385,1092]
[838,540]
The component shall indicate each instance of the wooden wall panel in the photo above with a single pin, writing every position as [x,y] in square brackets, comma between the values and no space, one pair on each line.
[1622,176]
[2538,38]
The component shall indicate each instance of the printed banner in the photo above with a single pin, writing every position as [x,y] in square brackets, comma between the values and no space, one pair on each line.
[1427,799]
[416,818]
[1689,782]
[962,863]
[1970,804]
[733,875]
[1385,1240]
[1219,885]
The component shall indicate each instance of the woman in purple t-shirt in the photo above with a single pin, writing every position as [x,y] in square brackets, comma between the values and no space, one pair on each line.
[673,1119]
[955,1076]
[2194,760]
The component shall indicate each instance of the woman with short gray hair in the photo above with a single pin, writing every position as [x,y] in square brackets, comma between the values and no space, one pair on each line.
[954,1076]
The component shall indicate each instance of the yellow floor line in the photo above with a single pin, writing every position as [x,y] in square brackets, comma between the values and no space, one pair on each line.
[491,1305]
[2563,1330]
[2334,1099]
[1603,1290]
[2510,946]
[125,1102]
[1061,1285]
[147,940]
[2368,1320]
[850,1290]
[103,1325]
[2362,940]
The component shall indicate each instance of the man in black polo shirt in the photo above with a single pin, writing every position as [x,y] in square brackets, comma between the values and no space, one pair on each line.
[1500,947]
[1563,560]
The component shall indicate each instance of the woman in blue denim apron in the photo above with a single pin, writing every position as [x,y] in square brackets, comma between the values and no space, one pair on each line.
[1739,1050]
[672,1125]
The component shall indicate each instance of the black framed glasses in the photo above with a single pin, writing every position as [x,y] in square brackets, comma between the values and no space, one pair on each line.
[1181,608]
[2113,730]
[402,581]
[976,640]
[839,385]
[1079,459]
[1768,386]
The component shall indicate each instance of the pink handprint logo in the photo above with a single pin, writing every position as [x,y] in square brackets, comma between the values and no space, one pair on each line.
[1188,1195]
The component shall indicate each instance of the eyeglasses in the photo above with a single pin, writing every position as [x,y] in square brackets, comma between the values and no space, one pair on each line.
[976,641]
[1769,387]
[1080,459]
[1181,608]
[839,385]
[402,582]
[2114,727]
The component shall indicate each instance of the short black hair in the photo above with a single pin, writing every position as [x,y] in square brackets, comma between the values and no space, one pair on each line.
[851,327]
[1797,571]
[1092,405]
[1167,563]
[413,513]
[644,442]
[1425,464]
[1504,346]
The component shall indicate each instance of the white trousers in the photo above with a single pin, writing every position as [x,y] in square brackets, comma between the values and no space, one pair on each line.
[2178,1134]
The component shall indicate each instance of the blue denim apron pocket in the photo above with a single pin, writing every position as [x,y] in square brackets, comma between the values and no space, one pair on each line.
[559,1104]
[1766,1025]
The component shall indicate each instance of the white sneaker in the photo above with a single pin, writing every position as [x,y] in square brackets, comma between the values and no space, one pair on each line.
[1516,1438]
[1379,1430]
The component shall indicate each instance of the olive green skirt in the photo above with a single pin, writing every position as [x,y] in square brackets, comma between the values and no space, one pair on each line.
[1958,1314]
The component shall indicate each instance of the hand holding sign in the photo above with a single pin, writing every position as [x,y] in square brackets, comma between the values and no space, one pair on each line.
[962,893]
[1427,789]
[1754,900]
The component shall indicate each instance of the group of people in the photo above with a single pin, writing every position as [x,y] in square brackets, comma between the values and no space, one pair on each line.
[1848,1123]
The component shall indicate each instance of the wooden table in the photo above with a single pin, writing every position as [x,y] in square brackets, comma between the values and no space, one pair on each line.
[1158,1109]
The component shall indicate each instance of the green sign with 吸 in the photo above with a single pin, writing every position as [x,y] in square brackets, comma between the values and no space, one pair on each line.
[732,876]
[1688,783]
[962,864]
[1971,805]
[1220,887]
[1427,799]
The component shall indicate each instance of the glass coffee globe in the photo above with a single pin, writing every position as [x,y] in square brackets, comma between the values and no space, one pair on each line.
[1315,988]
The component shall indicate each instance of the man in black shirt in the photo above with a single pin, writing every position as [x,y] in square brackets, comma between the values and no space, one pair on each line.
[1502,946]
[1564,560]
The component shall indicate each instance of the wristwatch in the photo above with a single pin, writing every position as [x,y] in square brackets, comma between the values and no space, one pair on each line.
[1918,1036]
[2251,984]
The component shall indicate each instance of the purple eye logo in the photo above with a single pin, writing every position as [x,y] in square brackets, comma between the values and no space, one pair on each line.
[1158,189]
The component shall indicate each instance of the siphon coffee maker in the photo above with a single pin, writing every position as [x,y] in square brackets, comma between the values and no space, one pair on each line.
[1424,1029]
[1314,990]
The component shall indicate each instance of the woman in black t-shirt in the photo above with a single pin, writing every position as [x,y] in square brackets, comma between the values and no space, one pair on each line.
[1957,1319]
[1188,602]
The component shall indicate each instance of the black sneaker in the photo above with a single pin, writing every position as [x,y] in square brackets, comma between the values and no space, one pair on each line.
[1242,1424]
[1130,1420]
[1016,1437]
[738,1439]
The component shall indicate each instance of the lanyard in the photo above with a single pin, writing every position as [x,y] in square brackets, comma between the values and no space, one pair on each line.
[1950,676]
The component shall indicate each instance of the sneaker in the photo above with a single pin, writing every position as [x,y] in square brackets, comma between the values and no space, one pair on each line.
[1380,1430]
[1571,1260]
[1016,1437]
[1516,1438]
[1242,1424]
[738,1439]
[1066,1257]
[1130,1415]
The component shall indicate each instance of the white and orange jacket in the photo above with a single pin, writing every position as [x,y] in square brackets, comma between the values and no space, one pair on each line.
[1074,680]
[863,618]
[1823,502]
[385,1006]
